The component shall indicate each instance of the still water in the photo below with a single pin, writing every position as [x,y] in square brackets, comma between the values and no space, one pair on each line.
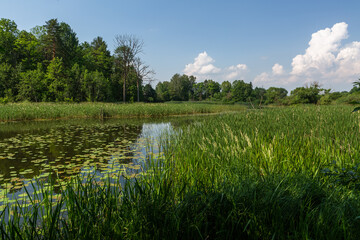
[60,150]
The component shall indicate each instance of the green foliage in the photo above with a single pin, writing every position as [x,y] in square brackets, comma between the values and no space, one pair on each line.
[275,95]
[353,98]
[149,93]
[55,80]
[302,95]
[241,91]
[32,85]
[181,87]
[163,91]
[29,51]
[8,35]
[329,98]
[5,77]
[95,86]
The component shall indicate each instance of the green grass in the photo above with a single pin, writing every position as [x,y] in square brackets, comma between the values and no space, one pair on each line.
[31,111]
[282,173]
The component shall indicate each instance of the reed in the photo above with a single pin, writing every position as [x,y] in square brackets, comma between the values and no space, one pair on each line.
[283,173]
[31,111]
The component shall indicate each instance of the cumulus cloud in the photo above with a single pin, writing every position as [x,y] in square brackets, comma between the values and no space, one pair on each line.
[277,69]
[325,60]
[202,65]
[320,55]
[203,68]
[234,72]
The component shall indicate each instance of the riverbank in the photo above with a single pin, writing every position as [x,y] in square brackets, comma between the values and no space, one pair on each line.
[41,111]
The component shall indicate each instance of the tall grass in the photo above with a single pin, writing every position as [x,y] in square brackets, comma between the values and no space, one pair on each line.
[30,111]
[253,175]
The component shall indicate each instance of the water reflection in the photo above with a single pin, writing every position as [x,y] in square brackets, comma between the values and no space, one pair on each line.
[64,149]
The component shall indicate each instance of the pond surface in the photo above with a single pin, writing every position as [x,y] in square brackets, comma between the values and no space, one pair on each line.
[60,150]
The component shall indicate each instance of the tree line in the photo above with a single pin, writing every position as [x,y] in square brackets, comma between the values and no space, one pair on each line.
[48,63]
[185,88]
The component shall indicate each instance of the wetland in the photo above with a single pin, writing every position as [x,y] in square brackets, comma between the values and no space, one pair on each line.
[273,173]
[59,150]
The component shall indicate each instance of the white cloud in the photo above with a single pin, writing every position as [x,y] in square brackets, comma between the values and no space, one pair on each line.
[277,69]
[262,78]
[202,65]
[320,55]
[348,61]
[325,60]
[234,72]
[202,68]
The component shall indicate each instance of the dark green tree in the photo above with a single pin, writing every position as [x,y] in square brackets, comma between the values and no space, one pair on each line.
[95,86]
[52,39]
[149,93]
[241,91]
[259,95]
[181,87]
[31,85]
[275,95]
[211,88]
[163,91]
[6,81]
[308,94]
[8,36]
[68,45]
[226,91]
[55,79]
[28,49]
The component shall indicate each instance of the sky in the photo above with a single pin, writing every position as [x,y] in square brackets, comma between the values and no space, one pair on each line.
[280,43]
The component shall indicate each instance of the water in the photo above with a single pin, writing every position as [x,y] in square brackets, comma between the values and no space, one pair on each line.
[60,150]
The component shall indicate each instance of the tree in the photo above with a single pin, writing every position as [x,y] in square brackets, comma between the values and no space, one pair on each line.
[163,91]
[52,39]
[226,90]
[96,56]
[308,94]
[275,95]
[181,87]
[241,91]
[128,47]
[55,80]
[8,36]
[73,90]
[28,49]
[69,44]
[95,86]
[198,91]
[259,94]
[211,88]
[149,93]
[5,78]
[143,72]
[31,85]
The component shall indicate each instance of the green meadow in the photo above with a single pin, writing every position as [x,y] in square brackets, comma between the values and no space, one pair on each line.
[273,173]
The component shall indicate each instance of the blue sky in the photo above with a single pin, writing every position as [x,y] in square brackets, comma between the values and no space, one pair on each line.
[260,41]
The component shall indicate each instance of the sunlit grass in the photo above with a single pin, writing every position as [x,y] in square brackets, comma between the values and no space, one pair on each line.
[30,111]
[264,174]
